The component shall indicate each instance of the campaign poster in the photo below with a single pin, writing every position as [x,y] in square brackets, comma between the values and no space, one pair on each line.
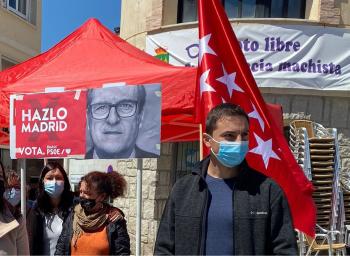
[48,125]
[123,122]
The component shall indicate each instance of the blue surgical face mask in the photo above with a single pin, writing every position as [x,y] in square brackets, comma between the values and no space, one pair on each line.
[54,188]
[231,153]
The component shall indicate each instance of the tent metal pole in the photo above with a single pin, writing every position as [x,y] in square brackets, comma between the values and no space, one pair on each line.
[200,142]
[23,189]
[139,206]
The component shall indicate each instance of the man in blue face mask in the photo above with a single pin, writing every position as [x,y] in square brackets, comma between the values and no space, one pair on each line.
[224,207]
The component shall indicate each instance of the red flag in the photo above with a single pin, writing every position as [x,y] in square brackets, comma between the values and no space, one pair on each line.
[224,76]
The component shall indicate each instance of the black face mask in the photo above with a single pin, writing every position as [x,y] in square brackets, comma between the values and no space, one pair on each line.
[87,204]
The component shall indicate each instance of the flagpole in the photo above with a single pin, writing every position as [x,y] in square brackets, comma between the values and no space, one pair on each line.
[138,205]
[23,189]
[200,143]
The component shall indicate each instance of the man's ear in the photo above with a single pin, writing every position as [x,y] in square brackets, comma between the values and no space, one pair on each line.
[87,119]
[140,118]
[206,139]
[88,136]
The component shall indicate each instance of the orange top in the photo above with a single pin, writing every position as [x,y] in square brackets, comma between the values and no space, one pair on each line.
[95,243]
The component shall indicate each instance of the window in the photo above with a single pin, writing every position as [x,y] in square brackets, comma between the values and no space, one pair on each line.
[26,9]
[20,7]
[6,63]
[186,155]
[187,9]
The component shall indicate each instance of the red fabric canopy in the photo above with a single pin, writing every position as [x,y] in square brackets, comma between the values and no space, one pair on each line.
[92,56]
[4,110]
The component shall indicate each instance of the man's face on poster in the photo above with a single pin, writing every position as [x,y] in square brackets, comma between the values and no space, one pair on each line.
[114,118]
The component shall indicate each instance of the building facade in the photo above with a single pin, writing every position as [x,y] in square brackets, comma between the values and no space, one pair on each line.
[147,22]
[20,39]
[20,31]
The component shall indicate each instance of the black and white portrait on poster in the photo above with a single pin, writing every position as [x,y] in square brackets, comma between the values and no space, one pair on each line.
[123,122]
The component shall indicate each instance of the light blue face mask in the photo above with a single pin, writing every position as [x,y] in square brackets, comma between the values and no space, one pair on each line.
[231,153]
[54,188]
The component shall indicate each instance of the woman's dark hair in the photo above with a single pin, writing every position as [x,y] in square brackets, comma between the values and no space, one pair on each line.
[2,185]
[43,200]
[112,183]
[3,171]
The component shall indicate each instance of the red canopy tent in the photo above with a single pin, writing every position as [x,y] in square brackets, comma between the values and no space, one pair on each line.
[4,138]
[92,56]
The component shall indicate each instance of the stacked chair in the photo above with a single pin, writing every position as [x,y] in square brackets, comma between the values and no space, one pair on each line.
[299,144]
[316,150]
[323,242]
[322,151]
[347,207]
[345,181]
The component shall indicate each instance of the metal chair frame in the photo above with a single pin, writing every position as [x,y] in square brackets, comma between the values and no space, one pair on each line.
[327,244]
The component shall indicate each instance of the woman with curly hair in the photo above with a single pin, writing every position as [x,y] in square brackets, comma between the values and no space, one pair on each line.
[95,227]
[13,191]
[13,233]
[53,205]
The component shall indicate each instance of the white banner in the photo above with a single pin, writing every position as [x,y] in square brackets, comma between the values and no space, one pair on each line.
[289,56]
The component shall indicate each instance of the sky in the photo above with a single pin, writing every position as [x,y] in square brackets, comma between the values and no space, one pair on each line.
[62,17]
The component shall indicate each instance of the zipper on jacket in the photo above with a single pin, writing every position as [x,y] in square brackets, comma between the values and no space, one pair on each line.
[203,220]
[234,192]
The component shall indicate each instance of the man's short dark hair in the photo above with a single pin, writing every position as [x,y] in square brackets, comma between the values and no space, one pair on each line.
[220,111]
[141,97]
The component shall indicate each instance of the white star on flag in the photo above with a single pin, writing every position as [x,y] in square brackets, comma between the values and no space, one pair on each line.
[204,47]
[264,149]
[255,114]
[204,86]
[229,80]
